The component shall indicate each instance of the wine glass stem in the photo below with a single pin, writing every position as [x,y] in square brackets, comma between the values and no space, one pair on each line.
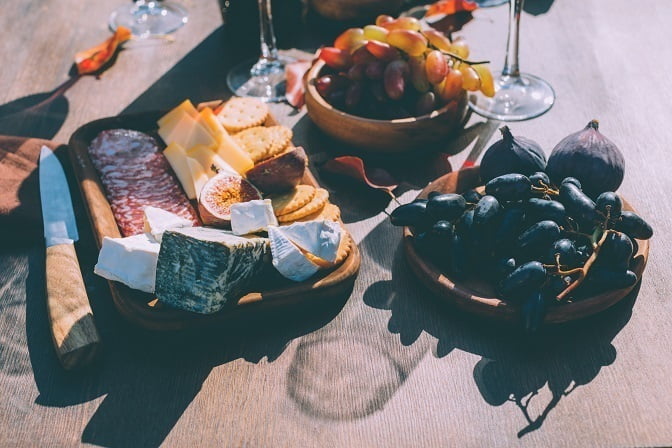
[511,61]
[269,51]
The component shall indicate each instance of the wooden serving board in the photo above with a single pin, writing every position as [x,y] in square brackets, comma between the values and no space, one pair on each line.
[479,297]
[143,309]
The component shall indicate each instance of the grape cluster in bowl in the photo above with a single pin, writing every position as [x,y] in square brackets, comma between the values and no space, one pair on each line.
[538,243]
[398,68]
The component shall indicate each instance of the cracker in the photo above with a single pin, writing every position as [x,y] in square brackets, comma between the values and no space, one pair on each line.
[329,212]
[316,203]
[241,113]
[255,141]
[280,137]
[292,200]
[344,248]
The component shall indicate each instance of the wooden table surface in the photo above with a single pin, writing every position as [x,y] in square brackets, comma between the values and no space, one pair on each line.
[389,367]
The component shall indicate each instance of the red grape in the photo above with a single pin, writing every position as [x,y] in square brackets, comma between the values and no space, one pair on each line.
[436,66]
[394,79]
[382,51]
[362,56]
[335,58]
[350,39]
[409,41]
[356,72]
[438,39]
[425,103]
[374,70]
[418,73]
[403,23]
[353,95]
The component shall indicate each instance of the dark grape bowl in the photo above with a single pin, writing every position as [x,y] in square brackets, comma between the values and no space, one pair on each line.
[379,136]
[476,295]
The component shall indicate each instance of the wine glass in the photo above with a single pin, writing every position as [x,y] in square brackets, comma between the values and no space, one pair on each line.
[518,96]
[146,18]
[263,78]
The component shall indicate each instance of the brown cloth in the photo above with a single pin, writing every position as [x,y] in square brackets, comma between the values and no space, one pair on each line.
[20,210]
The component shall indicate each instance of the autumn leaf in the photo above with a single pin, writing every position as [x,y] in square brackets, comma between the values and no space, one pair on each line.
[93,59]
[353,167]
[450,7]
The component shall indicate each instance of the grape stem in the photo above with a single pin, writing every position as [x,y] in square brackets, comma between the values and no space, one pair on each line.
[464,61]
[583,271]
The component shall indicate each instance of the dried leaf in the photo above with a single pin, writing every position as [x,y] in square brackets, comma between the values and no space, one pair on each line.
[353,167]
[449,7]
[93,59]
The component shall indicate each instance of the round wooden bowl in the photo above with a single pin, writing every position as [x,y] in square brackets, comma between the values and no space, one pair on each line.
[479,297]
[354,9]
[383,136]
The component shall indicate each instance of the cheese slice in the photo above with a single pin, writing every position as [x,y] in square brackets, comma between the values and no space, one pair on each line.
[199,176]
[211,162]
[320,238]
[158,221]
[234,155]
[177,158]
[252,216]
[187,132]
[186,107]
[288,259]
[202,269]
[208,119]
[131,261]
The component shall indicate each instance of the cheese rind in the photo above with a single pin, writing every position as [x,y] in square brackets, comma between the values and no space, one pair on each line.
[252,216]
[131,261]
[202,269]
[288,259]
[320,238]
[158,221]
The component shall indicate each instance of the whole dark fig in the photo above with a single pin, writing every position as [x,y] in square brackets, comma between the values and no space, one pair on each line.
[512,155]
[591,158]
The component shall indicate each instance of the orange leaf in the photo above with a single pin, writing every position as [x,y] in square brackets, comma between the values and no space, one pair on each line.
[449,7]
[351,166]
[93,59]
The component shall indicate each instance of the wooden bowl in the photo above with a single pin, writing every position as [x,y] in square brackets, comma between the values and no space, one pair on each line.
[383,136]
[478,297]
[354,9]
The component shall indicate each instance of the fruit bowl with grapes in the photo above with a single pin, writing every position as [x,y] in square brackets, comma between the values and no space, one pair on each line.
[520,239]
[393,86]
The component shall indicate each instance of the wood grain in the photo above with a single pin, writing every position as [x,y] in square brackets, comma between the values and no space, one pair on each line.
[74,333]
[478,296]
[393,368]
[404,135]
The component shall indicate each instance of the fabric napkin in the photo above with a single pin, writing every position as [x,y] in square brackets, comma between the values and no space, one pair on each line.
[20,209]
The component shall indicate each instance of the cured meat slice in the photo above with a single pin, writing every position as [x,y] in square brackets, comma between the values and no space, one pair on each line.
[135,174]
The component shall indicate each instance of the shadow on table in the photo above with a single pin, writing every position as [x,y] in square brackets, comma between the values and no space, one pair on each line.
[514,367]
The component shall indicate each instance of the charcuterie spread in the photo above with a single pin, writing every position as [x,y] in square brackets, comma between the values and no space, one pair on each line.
[217,212]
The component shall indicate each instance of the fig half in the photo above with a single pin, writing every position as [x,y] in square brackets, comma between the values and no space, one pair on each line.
[280,173]
[219,194]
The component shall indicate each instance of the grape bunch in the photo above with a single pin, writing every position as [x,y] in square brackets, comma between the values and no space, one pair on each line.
[540,244]
[396,69]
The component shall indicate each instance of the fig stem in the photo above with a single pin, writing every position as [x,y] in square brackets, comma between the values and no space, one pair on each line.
[594,124]
[583,271]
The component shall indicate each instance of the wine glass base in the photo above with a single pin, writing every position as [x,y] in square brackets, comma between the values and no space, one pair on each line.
[260,79]
[516,98]
[149,19]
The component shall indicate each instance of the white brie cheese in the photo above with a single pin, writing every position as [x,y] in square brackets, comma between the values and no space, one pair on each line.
[252,216]
[131,261]
[320,238]
[158,221]
[288,259]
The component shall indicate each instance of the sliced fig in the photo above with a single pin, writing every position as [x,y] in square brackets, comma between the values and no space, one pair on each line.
[219,194]
[280,173]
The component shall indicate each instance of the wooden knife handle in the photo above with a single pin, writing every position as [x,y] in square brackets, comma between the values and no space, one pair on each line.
[74,333]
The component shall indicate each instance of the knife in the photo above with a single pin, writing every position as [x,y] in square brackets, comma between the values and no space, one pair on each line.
[72,328]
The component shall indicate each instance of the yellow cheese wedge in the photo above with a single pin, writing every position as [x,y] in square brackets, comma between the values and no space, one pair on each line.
[209,158]
[234,155]
[177,157]
[198,176]
[208,119]
[185,107]
[187,132]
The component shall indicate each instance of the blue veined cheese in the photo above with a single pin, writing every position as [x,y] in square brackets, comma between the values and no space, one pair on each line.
[131,261]
[202,269]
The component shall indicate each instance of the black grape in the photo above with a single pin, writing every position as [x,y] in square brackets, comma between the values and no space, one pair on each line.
[540,179]
[634,226]
[609,200]
[571,180]
[542,209]
[472,196]
[413,214]
[509,187]
[616,251]
[447,206]
[539,236]
[578,205]
[533,311]
[523,281]
[486,212]
[509,226]
[565,248]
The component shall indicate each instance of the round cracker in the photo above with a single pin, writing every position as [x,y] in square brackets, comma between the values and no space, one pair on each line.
[292,200]
[255,141]
[329,212]
[241,113]
[316,203]
[280,137]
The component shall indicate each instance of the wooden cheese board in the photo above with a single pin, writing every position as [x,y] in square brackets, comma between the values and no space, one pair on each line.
[143,309]
[478,297]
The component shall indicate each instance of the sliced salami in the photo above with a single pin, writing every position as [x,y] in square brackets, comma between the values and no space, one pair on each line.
[135,174]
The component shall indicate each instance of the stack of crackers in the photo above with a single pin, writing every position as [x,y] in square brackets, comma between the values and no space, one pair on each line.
[244,119]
